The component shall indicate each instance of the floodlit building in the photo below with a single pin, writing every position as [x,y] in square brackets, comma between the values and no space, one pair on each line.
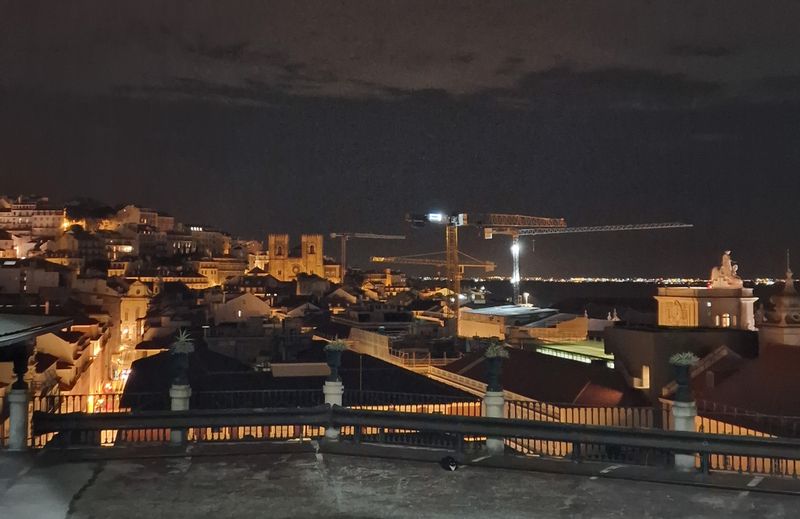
[7,249]
[724,303]
[219,270]
[285,264]
[132,214]
[210,242]
[31,275]
[240,308]
[30,216]
[495,321]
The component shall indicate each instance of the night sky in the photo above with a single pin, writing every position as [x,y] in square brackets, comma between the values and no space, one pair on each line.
[343,116]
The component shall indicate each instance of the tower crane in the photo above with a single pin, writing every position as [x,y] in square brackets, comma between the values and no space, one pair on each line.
[345,236]
[513,225]
[431,260]
[515,234]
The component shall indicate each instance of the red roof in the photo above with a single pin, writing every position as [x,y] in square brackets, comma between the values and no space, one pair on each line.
[552,379]
[769,384]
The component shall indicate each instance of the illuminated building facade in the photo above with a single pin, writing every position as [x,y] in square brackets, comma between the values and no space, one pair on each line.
[285,264]
[133,308]
[211,242]
[724,303]
[30,216]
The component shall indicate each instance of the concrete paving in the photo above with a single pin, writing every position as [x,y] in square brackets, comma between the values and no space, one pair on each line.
[310,484]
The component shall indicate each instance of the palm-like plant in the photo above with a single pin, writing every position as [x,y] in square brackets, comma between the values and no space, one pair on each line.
[686,358]
[496,349]
[337,345]
[183,343]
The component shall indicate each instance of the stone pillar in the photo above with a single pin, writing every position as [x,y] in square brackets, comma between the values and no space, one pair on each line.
[683,419]
[684,409]
[179,401]
[494,407]
[18,420]
[333,391]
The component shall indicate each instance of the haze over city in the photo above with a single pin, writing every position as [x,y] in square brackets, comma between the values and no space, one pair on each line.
[304,116]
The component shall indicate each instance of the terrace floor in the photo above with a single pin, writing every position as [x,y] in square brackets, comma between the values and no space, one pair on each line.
[305,483]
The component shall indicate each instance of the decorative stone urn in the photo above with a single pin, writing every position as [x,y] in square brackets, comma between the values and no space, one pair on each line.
[333,354]
[179,351]
[682,364]
[495,354]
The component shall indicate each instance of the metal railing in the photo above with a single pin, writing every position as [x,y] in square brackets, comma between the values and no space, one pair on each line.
[747,422]
[458,433]
[465,382]
[628,417]
[419,360]
[92,403]
[256,399]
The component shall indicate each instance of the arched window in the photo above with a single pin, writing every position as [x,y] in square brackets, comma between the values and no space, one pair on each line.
[279,252]
[726,320]
[311,249]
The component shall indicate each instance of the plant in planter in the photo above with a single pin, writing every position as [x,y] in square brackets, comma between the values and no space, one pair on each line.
[333,354]
[495,353]
[682,363]
[179,351]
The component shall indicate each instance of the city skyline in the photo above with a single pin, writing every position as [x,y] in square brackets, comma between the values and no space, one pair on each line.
[307,118]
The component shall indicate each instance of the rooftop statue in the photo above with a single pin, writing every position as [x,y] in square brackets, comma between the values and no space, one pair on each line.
[725,275]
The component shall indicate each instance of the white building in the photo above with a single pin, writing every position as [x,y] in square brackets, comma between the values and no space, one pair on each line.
[724,303]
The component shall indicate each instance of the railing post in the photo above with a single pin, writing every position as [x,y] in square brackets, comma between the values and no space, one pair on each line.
[684,410]
[179,401]
[494,400]
[333,388]
[333,391]
[18,419]
[494,406]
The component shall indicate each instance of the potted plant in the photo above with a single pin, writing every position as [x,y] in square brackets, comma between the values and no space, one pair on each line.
[180,350]
[682,363]
[495,353]
[333,354]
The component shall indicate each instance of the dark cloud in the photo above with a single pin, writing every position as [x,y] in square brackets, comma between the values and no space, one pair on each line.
[510,66]
[465,58]
[620,88]
[701,51]
[231,52]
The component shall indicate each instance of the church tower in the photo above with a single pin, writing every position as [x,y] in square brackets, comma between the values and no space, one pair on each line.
[311,254]
[781,324]
[278,246]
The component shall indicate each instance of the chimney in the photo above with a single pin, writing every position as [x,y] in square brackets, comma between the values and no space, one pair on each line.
[709,379]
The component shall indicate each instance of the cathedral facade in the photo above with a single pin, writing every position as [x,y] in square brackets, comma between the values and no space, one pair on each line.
[286,263]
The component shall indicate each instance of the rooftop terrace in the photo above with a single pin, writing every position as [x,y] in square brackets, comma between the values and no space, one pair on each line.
[300,482]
